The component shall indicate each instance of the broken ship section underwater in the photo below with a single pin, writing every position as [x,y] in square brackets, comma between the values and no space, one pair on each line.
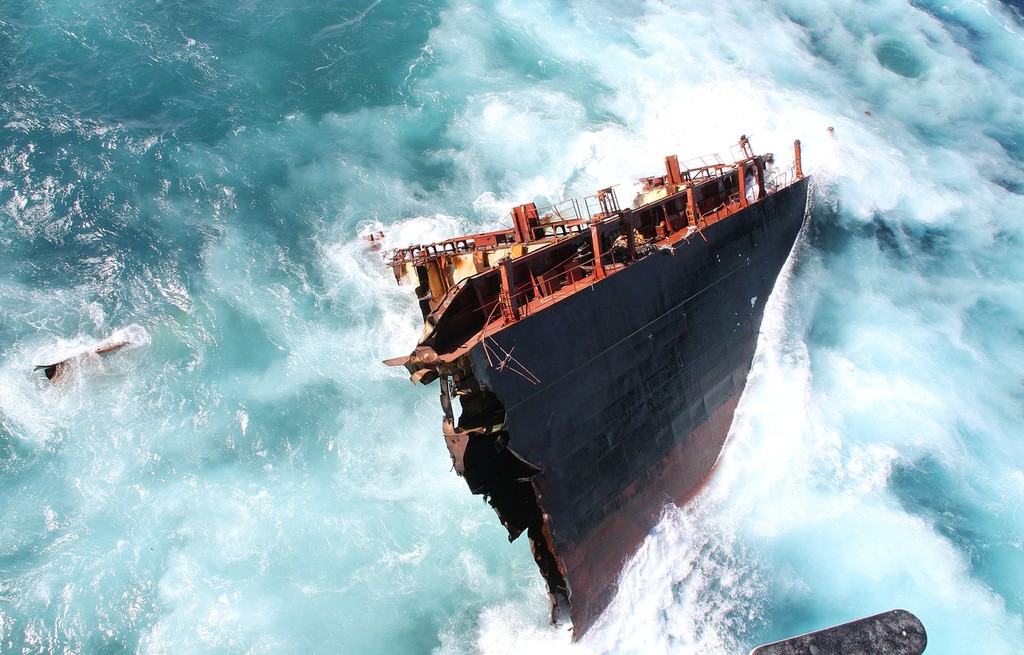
[590,358]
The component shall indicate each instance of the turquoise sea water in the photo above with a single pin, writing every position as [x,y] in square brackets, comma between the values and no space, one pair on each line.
[247,477]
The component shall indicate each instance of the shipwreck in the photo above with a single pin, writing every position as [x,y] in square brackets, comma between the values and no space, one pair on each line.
[590,358]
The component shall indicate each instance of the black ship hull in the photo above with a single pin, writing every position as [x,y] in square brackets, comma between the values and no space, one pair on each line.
[626,390]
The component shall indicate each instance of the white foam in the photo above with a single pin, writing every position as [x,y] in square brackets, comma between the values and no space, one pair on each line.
[805,478]
[880,356]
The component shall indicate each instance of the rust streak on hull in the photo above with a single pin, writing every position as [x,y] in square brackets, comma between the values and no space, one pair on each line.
[596,562]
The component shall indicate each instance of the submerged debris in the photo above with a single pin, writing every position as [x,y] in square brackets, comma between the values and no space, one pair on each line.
[56,371]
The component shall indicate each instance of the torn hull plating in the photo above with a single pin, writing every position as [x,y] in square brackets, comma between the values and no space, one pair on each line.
[590,358]
[639,377]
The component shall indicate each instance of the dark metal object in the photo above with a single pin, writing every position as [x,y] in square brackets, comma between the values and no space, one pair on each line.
[896,632]
[639,381]
[597,378]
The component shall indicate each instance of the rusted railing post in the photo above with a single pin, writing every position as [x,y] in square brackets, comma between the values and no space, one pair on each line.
[595,243]
[507,299]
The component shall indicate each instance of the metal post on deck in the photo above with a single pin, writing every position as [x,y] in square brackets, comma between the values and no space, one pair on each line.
[508,300]
[673,176]
[524,220]
[743,183]
[627,223]
[595,243]
[796,153]
[745,146]
[609,203]
[759,174]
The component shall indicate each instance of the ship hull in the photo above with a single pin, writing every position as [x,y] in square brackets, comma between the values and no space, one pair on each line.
[639,377]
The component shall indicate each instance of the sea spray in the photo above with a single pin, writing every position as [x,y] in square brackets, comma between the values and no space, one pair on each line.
[250,478]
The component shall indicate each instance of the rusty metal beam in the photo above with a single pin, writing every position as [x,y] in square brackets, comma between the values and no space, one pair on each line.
[595,243]
[524,220]
[508,301]
[672,169]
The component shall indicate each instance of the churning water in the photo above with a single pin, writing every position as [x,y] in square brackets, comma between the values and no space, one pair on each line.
[247,477]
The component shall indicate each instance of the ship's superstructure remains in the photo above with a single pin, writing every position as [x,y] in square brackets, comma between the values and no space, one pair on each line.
[590,358]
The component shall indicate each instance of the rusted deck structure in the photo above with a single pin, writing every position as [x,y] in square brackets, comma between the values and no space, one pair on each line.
[590,358]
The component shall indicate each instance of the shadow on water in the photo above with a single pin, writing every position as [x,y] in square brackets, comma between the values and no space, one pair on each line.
[910,243]
[951,504]
[962,32]
[1017,7]
[905,245]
